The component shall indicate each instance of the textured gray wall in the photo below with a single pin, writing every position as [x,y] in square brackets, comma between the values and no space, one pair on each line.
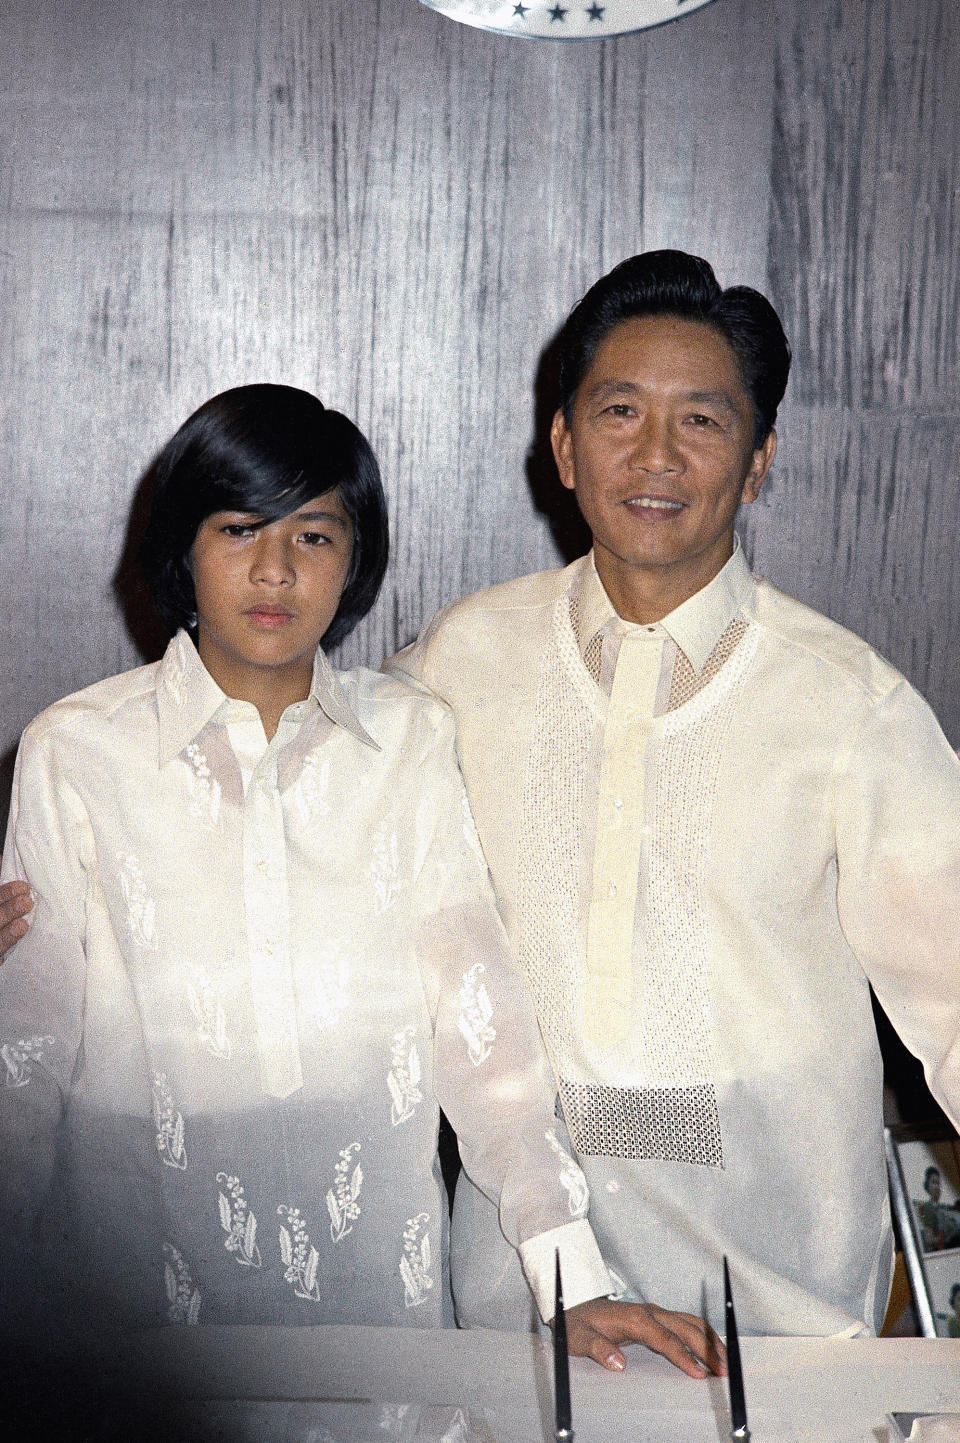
[365,198]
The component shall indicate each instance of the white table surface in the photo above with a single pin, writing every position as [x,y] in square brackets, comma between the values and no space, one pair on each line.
[321,1385]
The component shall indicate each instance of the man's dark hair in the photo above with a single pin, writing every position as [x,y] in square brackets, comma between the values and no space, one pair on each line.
[672,283]
[265,449]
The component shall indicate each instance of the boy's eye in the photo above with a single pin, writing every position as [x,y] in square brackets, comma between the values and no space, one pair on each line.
[314,538]
[237,528]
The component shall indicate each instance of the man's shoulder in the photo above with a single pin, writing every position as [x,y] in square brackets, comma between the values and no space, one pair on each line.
[827,644]
[536,589]
[533,593]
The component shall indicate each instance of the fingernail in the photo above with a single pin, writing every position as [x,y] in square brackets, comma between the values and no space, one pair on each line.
[615,1362]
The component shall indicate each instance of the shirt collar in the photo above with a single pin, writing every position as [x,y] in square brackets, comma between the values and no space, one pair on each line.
[188,698]
[696,625]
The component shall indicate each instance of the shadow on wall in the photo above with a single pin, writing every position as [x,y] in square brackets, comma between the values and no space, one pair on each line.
[570,533]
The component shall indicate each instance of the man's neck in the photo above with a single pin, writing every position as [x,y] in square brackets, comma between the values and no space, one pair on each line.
[646,594]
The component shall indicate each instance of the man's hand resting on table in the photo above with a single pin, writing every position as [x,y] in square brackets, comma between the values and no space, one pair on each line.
[15,903]
[595,1328]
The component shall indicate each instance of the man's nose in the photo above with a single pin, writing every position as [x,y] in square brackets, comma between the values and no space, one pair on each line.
[655,450]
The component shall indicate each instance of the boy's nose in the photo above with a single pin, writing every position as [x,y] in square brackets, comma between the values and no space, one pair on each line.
[272,563]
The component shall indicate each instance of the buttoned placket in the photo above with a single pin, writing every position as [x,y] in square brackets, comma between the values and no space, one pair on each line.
[266,903]
[609,1003]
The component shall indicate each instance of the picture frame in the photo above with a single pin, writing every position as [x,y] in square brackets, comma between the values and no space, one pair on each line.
[923,1167]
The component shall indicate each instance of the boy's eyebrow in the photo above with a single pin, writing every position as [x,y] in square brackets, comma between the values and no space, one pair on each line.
[322,516]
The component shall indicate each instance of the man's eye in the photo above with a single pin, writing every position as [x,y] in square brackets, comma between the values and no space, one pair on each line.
[314,538]
[699,419]
[619,408]
[237,528]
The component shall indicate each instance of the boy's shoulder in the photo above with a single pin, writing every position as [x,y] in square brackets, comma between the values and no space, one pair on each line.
[390,702]
[101,701]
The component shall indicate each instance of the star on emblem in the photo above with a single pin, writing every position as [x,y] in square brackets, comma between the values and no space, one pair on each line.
[595,11]
[557,12]
[521,11]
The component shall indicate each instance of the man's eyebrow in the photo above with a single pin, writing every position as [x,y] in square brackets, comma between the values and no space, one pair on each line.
[711,398]
[601,389]
[611,388]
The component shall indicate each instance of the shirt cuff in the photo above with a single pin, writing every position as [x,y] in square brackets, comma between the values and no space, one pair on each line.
[583,1270]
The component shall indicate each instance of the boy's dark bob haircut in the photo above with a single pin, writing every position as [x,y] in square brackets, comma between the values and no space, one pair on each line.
[268,450]
[673,283]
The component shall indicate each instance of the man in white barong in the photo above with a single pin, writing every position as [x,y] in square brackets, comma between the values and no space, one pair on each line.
[713,818]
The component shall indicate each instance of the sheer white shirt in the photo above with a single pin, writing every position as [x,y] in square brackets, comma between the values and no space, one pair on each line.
[707,836]
[254,972]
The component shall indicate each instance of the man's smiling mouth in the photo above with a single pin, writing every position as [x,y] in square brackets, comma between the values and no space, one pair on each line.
[655,503]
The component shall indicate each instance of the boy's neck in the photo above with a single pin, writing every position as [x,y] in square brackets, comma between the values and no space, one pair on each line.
[270,689]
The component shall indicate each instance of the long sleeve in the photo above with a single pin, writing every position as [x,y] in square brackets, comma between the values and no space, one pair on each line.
[897,807]
[41,1001]
[492,1076]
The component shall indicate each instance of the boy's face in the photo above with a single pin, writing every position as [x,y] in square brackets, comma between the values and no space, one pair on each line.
[266,594]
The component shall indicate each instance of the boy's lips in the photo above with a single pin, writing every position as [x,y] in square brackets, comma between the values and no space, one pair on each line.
[271,617]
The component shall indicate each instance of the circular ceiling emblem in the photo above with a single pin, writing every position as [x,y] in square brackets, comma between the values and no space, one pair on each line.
[569,20]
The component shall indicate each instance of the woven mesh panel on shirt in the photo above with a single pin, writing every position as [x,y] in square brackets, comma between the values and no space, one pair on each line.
[685,683]
[673,1124]
[651,1094]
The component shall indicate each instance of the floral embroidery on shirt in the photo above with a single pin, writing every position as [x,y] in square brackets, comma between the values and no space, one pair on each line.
[141,908]
[578,1193]
[310,793]
[476,1011]
[385,868]
[392,1416]
[169,1124]
[343,1203]
[403,1079]
[19,1057]
[204,789]
[182,1297]
[415,1263]
[209,1014]
[300,1257]
[331,997]
[238,1222]
[459,1430]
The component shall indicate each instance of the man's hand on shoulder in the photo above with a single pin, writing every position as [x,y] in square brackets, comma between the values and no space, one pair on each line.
[15,903]
[595,1329]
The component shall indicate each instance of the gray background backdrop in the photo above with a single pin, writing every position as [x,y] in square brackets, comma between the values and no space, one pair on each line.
[365,198]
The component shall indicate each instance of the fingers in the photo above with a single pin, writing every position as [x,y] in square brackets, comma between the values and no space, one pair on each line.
[682,1340]
[697,1336]
[15,903]
[592,1344]
[595,1329]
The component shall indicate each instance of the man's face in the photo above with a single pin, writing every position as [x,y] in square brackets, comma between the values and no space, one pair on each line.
[933,1186]
[660,454]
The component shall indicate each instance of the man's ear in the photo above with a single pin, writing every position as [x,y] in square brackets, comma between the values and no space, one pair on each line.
[562,443]
[760,464]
